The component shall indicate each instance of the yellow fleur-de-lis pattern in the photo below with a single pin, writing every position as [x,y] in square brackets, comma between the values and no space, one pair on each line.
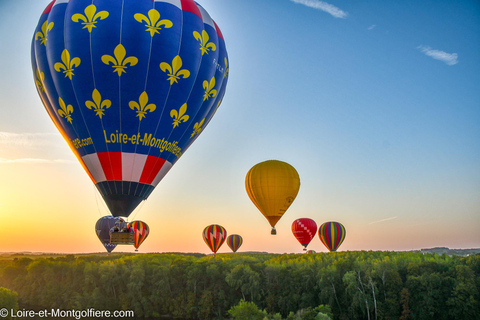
[90,17]
[197,127]
[174,70]
[227,69]
[119,62]
[65,111]
[39,80]
[67,65]
[179,116]
[97,104]
[153,22]
[99,66]
[142,107]
[42,35]
[208,87]
[205,45]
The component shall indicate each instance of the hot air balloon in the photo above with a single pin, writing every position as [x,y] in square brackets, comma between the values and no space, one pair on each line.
[130,85]
[214,235]
[332,234]
[304,229]
[140,231]
[234,241]
[102,228]
[311,251]
[272,186]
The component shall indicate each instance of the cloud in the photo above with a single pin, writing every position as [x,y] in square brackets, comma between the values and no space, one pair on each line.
[26,139]
[372,27]
[449,58]
[32,161]
[383,220]
[324,6]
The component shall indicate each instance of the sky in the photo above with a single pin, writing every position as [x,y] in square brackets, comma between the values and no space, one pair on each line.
[375,103]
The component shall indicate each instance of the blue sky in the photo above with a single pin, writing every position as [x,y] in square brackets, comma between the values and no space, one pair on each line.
[375,103]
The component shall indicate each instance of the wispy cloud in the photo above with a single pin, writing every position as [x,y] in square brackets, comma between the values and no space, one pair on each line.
[372,27]
[33,161]
[383,220]
[26,139]
[449,58]
[324,6]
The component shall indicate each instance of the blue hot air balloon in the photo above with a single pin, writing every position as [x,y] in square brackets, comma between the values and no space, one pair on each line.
[102,228]
[130,85]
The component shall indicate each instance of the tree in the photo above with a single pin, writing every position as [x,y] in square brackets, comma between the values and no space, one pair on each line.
[246,311]
[8,300]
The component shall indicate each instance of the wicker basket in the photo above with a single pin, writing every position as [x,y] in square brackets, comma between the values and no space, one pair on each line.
[122,238]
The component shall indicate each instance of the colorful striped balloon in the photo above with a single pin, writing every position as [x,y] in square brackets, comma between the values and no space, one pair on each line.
[304,230]
[332,234]
[234,241]
[214,236]
[141,231]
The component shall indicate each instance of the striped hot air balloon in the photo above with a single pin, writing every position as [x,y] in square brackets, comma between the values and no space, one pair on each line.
[141,231]
[214,235]
[234,241]
[304,229]
[130,85]
[332,234]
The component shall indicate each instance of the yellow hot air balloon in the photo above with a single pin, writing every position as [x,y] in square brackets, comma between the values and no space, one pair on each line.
[272,186]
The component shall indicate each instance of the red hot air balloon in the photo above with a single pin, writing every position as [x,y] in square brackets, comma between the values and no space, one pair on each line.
[141,231]
[304,229]
[234,241]
[214,236]
[332,234]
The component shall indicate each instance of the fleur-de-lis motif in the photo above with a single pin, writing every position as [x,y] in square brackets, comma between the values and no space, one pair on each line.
[197,127]
[68,64]
[65,111]
[40,79]
[153,22]
[119,63]
[90,17]
[209,91]
[143,107]
[227,69]
[42,35]
[205,46]
[174,71]
[179,116]
[97,104]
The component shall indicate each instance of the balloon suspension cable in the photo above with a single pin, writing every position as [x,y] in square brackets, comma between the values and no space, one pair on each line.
[274,231]
[138,210]
[95,194]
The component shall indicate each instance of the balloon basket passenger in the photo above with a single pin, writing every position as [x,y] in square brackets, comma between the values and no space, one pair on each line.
[121,233]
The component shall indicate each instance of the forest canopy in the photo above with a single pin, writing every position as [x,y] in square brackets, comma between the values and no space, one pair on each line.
[342,285]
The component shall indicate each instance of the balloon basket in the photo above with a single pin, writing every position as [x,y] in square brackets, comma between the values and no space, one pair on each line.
[122,238]
[274,231]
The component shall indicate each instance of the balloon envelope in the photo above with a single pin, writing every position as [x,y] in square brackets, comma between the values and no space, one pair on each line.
[332,234]
[141,231]
[272,186]
[102,229]
[130,85]
[234,241]
[304,229]
[214,235]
